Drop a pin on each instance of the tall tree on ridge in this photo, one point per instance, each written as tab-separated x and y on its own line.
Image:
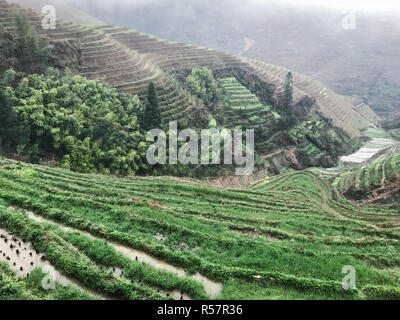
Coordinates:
152	113
288	94
286	103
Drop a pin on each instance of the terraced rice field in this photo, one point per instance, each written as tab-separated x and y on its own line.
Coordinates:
245	110
395	134
312	151
372	170
19	258
344	112
31	288
380	141
371	176
129	60
152	238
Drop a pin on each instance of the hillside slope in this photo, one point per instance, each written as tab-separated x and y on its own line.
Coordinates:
311	39
129	60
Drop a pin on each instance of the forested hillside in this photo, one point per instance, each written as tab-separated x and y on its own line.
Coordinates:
129	60
55	117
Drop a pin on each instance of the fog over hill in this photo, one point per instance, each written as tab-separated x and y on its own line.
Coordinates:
363	61
63	10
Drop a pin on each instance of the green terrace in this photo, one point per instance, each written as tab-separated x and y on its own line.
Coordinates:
341	109
286	237
370	176
244	107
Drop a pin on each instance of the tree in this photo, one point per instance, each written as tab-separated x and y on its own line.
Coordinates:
152	114
10	133
220	114
202	84
288	94
288	119
8	78
83	123
23	48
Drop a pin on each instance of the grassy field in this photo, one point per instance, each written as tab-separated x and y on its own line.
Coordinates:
287	237
30	288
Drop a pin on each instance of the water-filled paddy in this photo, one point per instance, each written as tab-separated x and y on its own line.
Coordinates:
380	141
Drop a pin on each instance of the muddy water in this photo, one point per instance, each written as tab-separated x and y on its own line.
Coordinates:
22	259
211	287
117	271
19	255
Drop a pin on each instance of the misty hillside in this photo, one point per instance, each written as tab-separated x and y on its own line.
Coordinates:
363	62
63	10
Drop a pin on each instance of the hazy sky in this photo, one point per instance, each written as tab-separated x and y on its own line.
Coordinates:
375	5
153	16
369	5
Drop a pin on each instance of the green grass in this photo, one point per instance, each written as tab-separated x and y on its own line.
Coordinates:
12	288
294	232
377	133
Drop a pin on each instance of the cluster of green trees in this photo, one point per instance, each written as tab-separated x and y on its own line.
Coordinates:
85	124
202	84
391	123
